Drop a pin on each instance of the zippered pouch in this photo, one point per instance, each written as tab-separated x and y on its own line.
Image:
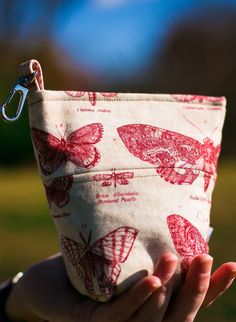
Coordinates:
127	178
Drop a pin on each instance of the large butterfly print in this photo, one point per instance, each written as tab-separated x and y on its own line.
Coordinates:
187	239
178	158
91	95
98	264
78	148
121	178
57	191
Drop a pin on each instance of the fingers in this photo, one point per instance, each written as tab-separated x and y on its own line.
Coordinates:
220	281
147	299
166	267
154	308
192	293
126	304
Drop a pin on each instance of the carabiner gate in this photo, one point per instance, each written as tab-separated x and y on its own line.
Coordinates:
22	88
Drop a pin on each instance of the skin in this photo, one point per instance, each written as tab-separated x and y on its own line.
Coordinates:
44	293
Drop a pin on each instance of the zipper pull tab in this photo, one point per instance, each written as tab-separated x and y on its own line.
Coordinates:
22	89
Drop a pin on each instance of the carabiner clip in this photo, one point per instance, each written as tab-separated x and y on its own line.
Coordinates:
22	88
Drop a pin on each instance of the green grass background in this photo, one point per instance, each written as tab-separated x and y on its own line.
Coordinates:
28	235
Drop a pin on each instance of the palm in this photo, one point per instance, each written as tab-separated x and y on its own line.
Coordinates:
45	293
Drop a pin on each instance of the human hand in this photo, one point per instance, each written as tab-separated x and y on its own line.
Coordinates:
200	290
44	293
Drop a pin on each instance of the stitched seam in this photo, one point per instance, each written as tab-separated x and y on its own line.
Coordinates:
91	173
164	100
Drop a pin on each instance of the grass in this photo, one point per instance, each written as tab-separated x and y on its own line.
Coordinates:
28	234
26	229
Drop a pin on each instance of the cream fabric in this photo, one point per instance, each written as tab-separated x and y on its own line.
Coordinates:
127	177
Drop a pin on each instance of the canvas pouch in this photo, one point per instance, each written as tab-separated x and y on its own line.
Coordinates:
127	178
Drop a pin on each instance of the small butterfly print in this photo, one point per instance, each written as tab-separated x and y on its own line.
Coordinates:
91	95
57	191
121	178
78	148
100	261
179	158
198	98
187	239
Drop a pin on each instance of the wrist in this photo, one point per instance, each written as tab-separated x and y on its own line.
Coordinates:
5	290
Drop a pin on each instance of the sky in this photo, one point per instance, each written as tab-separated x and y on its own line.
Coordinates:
117	37
114	38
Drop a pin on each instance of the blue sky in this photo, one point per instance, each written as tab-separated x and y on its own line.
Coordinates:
110	37
118	37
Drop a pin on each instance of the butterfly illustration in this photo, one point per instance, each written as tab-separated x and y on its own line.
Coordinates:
187	239
57	191
114	178
91	95
98	263
78	148
179	158
198	98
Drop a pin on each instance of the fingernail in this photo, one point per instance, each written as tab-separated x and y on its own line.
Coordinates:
157	283
205	267
171	266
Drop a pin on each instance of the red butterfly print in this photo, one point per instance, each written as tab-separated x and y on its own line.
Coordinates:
91	95
199	98
179	158
57	191
115	178
99	263
187	239
78	148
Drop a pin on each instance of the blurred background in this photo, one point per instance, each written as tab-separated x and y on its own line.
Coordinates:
162	46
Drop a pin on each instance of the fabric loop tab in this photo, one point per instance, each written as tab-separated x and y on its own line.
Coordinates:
28	68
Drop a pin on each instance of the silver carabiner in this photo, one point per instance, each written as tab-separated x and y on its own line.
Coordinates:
22	88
